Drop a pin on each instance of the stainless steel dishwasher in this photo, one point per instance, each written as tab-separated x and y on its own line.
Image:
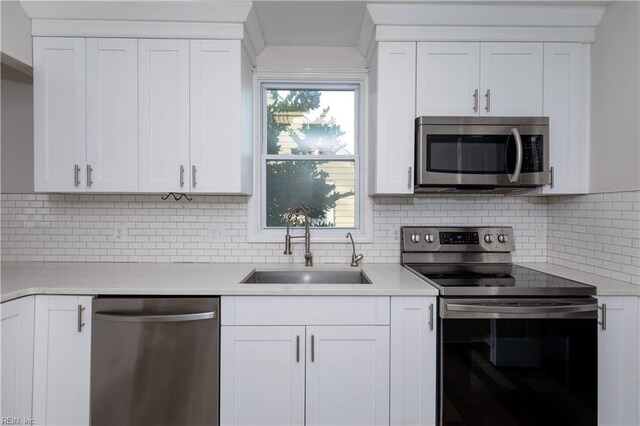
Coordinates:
155	361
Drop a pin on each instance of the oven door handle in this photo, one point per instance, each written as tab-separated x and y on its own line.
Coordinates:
557	309
513	178
489	308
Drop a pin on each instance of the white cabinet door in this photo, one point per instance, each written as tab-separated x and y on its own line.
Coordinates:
347	375
163	115
413	360
618	358
59	114
448	79
215	116
62	356
262	375
16	370
566	103
112	115
395	117
511	79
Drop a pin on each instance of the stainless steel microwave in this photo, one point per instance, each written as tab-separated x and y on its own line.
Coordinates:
478	154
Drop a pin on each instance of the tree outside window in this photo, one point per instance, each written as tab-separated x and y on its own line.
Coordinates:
310	154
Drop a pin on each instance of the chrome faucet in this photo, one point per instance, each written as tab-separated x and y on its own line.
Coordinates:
308	256
354	258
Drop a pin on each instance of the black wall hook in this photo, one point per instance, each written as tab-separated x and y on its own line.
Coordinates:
176	197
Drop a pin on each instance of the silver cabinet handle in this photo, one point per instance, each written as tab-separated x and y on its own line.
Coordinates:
76	176
135	317
297	348
431	316
89	175
181	176
313	349
193	176
409	178
80	323
475	100
603	323
488	96
516	172
551	176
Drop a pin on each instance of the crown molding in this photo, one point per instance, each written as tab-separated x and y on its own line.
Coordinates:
481	15
135	29
515	34
206	11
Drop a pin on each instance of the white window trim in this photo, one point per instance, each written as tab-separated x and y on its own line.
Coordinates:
362	234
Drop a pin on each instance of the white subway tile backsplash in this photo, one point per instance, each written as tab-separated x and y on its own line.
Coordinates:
598	233
82	228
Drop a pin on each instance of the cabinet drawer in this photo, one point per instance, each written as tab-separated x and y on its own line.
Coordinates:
304	310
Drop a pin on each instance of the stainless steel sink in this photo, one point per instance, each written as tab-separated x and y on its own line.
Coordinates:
306	277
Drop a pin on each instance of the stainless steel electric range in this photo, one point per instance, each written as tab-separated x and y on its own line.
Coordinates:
516	346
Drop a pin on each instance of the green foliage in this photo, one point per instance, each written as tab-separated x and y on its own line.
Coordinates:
292	183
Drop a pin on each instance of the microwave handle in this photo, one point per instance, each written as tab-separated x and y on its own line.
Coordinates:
513	178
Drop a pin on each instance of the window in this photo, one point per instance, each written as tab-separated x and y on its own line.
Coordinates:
310	153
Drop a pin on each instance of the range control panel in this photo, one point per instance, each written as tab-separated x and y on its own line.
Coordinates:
457	239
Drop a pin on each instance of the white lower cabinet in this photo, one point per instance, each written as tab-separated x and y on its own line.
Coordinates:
413	360
618	361
262	377
16	368
347	375
313	371
62	359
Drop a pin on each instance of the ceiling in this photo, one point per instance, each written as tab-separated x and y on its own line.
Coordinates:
310	23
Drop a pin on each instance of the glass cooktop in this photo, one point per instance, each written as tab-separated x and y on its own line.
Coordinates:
498	279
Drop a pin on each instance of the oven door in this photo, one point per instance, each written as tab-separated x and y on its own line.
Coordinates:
482	155
514	362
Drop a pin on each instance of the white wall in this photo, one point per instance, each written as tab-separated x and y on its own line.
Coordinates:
16	33
16	148
310	57
615	123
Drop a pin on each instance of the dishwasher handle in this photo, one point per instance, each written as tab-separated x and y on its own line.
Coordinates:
137	317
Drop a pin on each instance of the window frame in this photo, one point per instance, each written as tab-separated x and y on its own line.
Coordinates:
351	80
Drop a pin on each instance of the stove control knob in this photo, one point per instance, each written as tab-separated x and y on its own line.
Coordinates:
415	238
428	238
503	238
488	238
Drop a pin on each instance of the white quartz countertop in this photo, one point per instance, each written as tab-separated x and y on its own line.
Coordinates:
27	278
605	286
206	279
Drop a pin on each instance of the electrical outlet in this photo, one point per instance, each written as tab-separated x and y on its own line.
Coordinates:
119	233
396	235
215	232
540	233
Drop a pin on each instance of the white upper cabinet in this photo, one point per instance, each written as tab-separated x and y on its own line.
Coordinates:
347	375
566	103
62	359
393	100
112	115
448	77
220	78
511	79
59	114
467	79
163	115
